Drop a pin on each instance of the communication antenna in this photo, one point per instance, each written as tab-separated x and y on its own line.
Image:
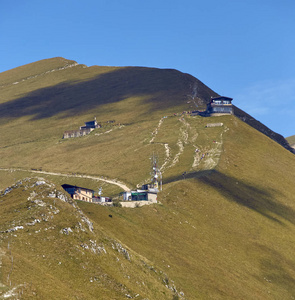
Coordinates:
100	191
156	173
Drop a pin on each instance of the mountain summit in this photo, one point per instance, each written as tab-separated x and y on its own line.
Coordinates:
58	86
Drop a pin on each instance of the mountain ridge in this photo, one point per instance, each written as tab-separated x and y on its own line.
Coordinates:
195	90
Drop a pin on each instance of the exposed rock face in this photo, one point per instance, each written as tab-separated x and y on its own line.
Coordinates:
38	203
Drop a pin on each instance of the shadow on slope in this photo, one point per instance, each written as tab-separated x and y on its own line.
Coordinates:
277	269
257	198
164	87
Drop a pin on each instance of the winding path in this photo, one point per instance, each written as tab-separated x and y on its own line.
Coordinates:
120	184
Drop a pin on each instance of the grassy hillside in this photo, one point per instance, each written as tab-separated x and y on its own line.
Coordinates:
49	247
221	234
224	225
32	120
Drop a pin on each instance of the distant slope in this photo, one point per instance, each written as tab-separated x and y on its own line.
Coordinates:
291	140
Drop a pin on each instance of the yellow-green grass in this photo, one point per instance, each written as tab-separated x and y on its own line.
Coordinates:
223	234
32	123
39	260
215	229
224	230
124	153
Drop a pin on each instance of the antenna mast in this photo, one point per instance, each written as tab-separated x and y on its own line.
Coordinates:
156	174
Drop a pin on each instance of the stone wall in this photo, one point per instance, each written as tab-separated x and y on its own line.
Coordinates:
133	204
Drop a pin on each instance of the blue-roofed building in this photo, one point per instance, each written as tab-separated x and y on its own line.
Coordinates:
84	130
90	125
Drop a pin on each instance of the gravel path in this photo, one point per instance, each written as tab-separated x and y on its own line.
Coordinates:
111	181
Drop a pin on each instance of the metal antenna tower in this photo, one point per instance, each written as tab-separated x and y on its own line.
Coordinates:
156	173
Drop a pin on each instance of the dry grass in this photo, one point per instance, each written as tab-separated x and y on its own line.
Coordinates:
225	230
214	232
61	263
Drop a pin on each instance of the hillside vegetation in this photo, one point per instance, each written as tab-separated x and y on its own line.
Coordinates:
224	227
52	248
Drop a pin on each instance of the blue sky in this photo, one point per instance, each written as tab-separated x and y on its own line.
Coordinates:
241	49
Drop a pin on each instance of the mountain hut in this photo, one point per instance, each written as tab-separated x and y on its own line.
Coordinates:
91	124
220	105
79	193
217	106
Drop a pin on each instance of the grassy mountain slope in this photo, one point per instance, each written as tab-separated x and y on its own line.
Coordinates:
224	230
262	128
225	233
67	98
58	88
49	247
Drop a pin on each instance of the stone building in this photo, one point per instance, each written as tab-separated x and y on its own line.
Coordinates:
84	130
